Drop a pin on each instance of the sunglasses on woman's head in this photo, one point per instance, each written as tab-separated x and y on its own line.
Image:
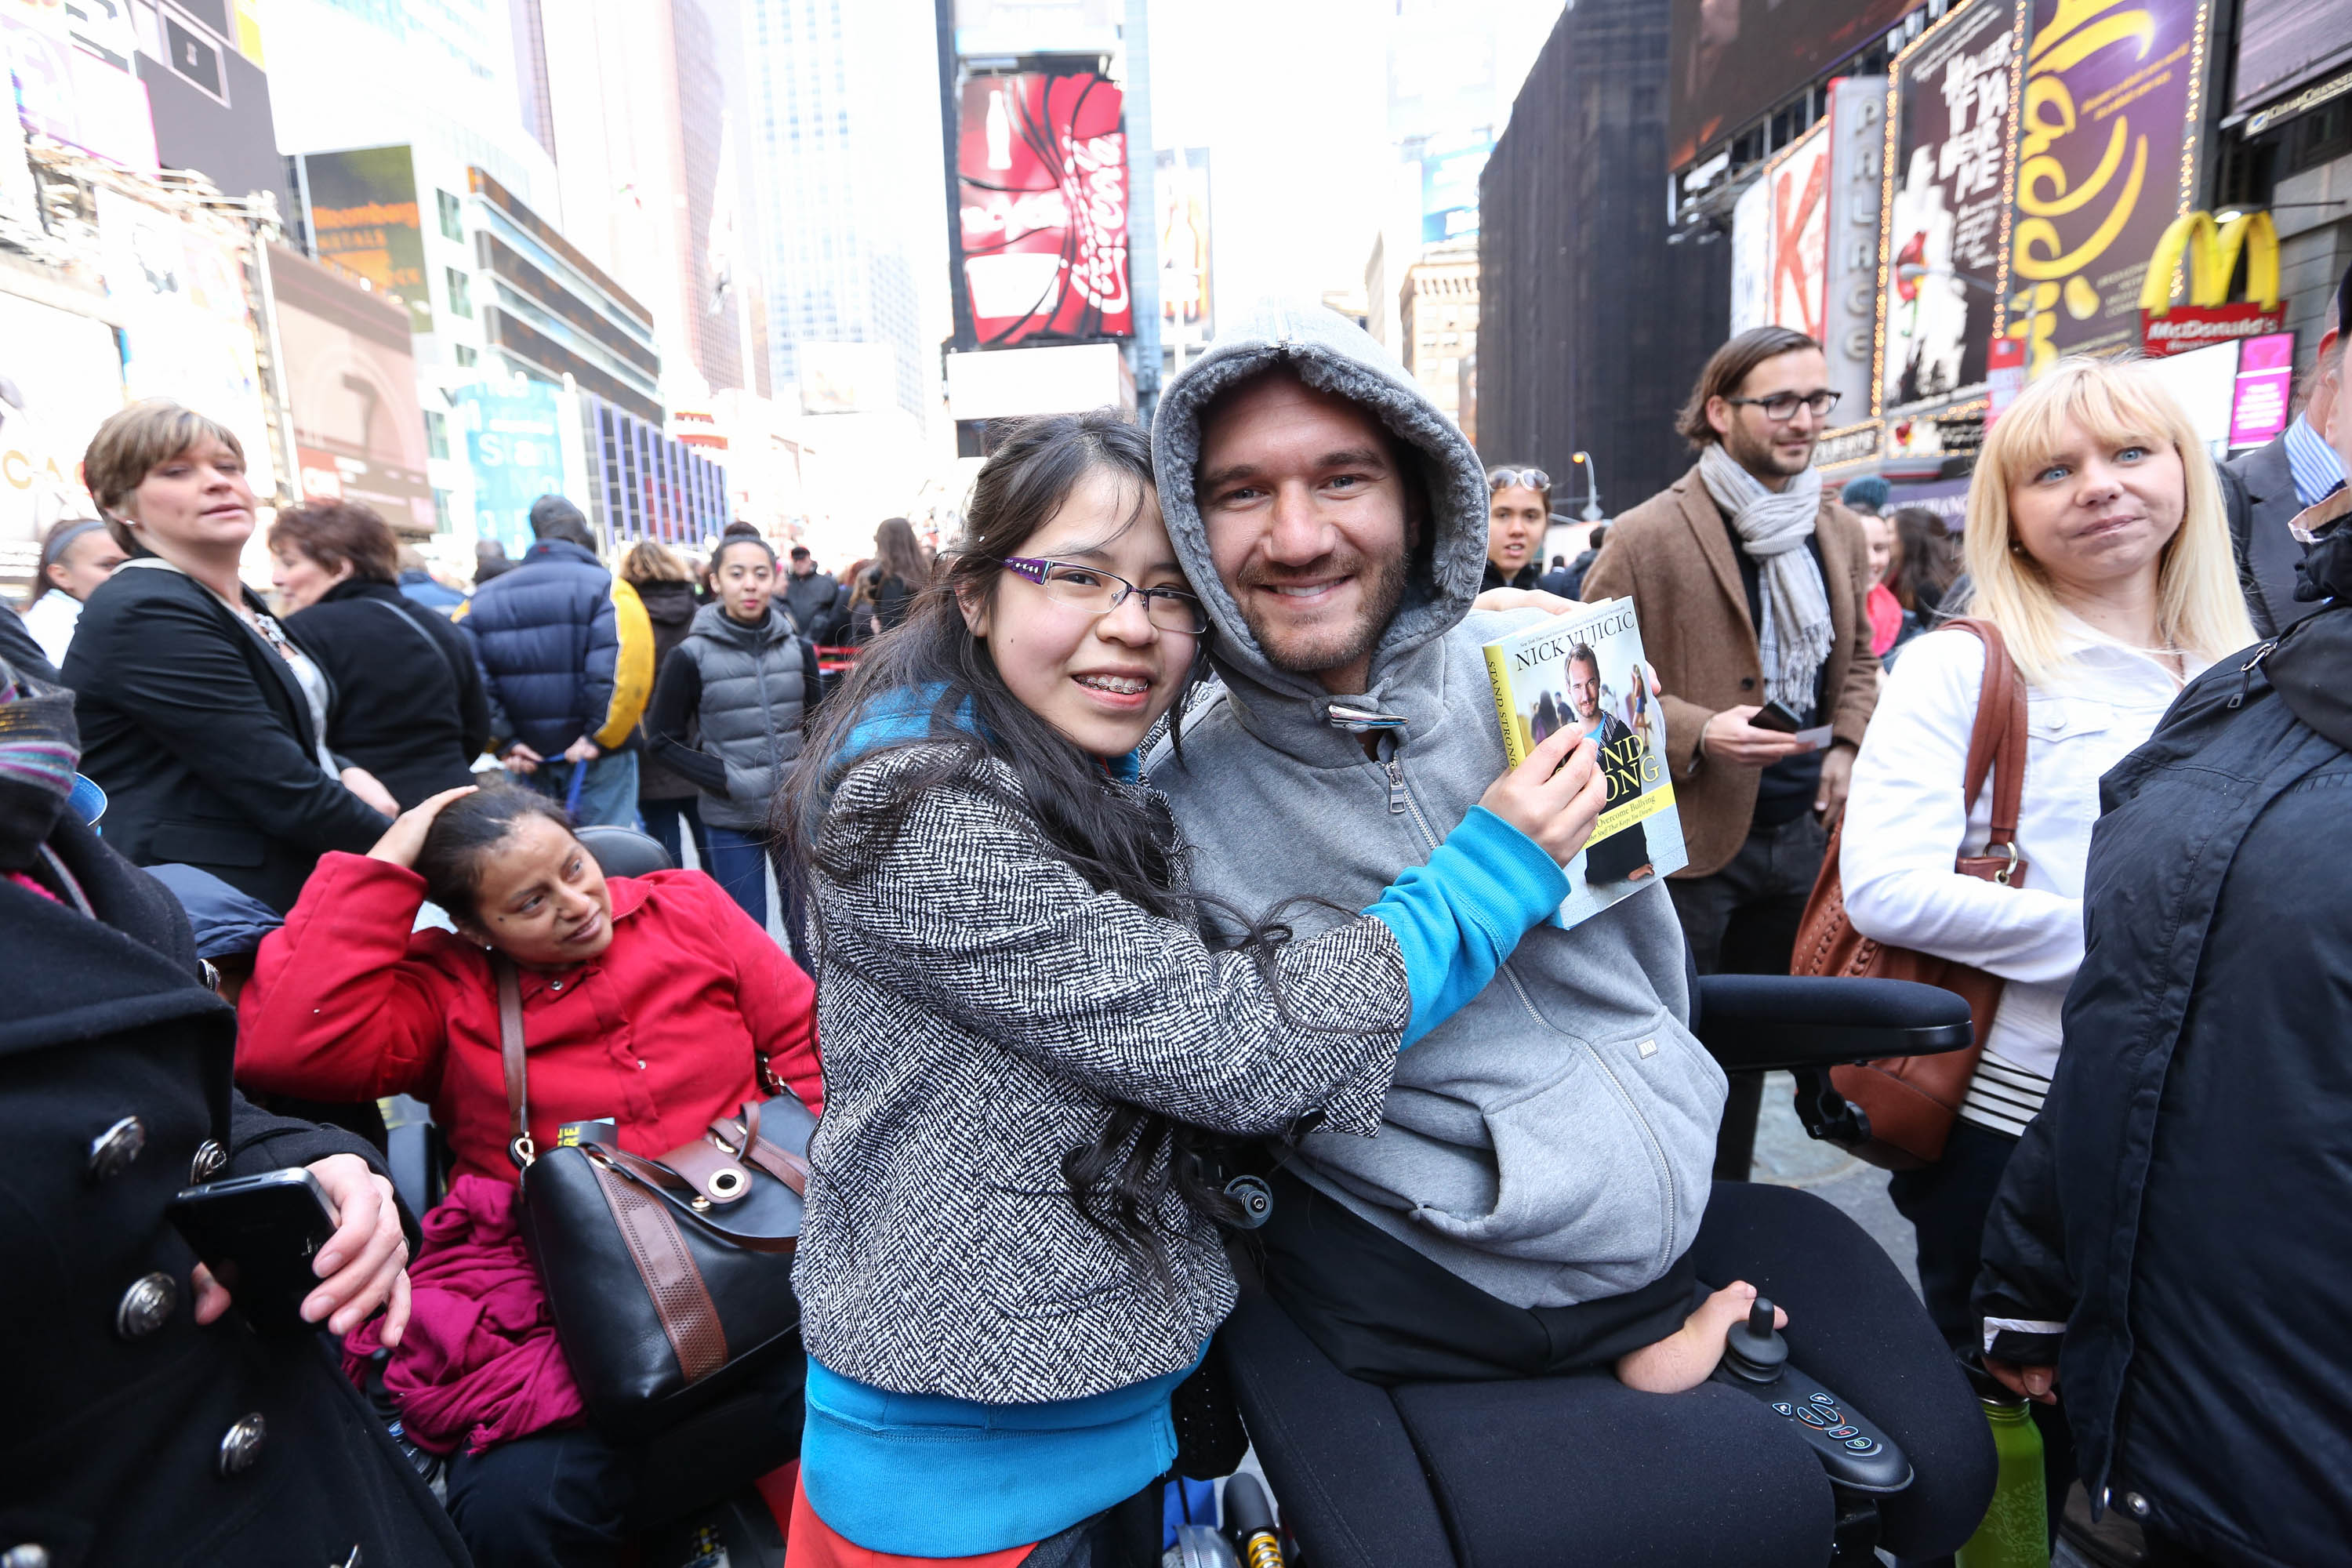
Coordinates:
1517	479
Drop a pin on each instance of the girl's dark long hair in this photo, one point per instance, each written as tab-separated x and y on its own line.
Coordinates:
1108	836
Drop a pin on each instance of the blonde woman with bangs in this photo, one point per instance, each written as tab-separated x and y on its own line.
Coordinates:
2098	544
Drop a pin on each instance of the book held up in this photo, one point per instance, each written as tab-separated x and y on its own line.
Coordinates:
1584	670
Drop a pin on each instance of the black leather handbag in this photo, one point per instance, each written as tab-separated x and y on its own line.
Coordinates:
669	1279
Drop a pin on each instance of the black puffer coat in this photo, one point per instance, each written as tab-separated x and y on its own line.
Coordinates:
113	1447
2183	1203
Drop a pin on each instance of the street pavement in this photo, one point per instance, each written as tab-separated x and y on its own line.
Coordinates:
1787	1158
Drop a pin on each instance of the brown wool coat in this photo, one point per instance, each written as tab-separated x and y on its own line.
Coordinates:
1673	556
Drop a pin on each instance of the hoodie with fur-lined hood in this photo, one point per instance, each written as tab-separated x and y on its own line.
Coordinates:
1552	1142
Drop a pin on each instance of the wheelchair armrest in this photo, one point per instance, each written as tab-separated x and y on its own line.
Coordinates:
1763	1023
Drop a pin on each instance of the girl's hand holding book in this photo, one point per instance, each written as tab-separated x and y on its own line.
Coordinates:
1554	797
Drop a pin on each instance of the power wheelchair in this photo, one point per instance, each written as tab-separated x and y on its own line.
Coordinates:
1583	1470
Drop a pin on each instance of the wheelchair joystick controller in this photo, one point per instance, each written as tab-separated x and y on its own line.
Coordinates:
1754	1349
1854	1452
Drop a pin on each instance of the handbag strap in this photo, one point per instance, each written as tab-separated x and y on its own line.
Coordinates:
1997	740
520	1148
449	662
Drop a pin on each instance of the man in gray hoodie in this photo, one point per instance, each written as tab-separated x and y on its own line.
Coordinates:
1549	1146
1532	1205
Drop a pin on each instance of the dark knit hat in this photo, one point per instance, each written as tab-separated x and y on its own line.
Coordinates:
1867	493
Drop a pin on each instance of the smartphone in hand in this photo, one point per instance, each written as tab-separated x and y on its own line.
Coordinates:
261	1237
1776	716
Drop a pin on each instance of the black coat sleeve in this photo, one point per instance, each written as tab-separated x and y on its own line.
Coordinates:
677	695
261	1142
2024	1279
23	654
173	666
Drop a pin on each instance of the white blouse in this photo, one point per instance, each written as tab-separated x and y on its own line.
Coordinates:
1905	824
51	619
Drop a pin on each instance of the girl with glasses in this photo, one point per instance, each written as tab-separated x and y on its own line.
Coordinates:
1013	1254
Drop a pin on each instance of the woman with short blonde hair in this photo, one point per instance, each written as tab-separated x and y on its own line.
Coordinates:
2097	545
2199	607
204	720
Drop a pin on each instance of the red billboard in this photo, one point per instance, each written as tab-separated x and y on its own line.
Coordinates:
1041	176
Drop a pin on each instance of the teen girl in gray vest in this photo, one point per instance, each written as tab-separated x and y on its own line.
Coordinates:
749	682
1011	1257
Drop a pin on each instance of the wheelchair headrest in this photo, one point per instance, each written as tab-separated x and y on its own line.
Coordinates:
625	851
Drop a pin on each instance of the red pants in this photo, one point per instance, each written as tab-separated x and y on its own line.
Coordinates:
811	1543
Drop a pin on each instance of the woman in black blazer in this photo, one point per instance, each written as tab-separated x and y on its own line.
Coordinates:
201	718
409	706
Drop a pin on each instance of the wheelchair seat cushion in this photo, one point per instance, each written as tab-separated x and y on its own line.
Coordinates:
1584	1469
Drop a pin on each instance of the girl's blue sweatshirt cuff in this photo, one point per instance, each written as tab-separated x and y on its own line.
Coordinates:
1457	918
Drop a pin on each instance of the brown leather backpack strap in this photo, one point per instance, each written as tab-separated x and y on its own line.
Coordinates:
520	1148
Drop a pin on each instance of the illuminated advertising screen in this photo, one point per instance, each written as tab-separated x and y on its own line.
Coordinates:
2105	155
514	445
363	219
1948	151
2260	402
1731	61
179	285
1450	167
1780	240
60	376
1185	299
350	383
2283	44
1041	176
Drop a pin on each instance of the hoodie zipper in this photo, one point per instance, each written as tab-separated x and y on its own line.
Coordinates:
1401	800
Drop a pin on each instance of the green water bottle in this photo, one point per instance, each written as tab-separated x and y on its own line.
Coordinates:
2016	1528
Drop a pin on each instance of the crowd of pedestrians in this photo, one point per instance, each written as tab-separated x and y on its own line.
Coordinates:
1148	873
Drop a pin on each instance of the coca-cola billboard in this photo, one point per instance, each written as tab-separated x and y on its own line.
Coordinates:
1041	174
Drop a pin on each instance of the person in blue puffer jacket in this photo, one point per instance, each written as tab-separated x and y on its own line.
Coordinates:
567	657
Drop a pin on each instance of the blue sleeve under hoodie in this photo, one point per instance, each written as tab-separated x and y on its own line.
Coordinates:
1457	918
996	1476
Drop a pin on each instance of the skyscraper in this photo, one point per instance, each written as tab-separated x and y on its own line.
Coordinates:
844	98
649	108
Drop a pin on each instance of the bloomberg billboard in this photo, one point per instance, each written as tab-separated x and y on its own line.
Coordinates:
1042	193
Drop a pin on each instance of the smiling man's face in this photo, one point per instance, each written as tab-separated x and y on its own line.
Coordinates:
1310	522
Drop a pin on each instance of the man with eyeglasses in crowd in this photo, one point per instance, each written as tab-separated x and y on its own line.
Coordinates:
1750	582
1518	509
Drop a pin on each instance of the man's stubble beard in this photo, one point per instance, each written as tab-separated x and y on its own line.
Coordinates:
1382	594
1761	457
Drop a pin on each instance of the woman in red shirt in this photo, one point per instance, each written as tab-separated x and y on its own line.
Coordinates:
650	1000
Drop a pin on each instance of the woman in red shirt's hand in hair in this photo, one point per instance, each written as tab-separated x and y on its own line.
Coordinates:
650	1000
